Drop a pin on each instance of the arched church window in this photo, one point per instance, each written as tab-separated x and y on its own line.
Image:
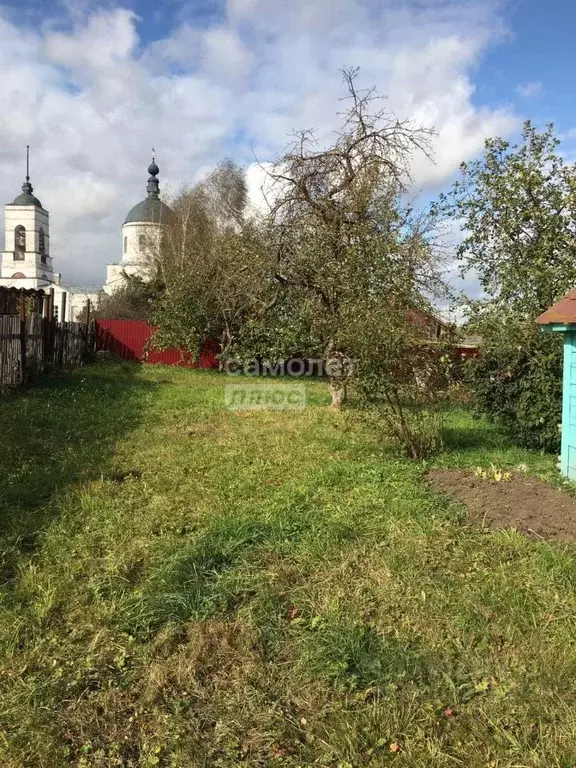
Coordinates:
42	241
141	242
125	244
18	275
19	243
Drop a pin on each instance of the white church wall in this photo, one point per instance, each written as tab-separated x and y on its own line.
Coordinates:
59	301
76	304
114	278
34	269
31	218
29	267
139	240
23	282
115	275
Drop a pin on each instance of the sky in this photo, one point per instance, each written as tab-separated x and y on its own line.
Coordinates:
92	87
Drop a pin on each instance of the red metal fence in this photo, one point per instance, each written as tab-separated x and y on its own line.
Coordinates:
129	339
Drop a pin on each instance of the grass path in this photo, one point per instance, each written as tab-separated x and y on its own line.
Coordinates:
186	586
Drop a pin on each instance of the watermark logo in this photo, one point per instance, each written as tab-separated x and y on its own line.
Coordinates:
334	367
270	397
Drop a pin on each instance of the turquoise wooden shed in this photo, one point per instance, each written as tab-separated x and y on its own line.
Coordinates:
561	318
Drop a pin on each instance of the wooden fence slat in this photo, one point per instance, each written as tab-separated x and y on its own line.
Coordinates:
10	341
30	343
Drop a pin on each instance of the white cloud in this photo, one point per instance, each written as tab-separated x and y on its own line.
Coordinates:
92	98
226	59
529	90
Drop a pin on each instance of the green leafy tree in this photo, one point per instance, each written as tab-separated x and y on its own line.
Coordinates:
517	208
345	244
134	299
518	378
212	264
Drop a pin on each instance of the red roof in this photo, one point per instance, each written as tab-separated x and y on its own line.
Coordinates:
563	312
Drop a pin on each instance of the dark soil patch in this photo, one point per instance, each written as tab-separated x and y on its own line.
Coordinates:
523	503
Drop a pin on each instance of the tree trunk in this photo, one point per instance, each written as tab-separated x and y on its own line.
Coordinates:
225	344
336	370
338	392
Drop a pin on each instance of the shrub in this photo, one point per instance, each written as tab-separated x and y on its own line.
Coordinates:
517	381
402	381
410	419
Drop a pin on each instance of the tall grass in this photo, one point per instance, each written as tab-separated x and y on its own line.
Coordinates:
190	586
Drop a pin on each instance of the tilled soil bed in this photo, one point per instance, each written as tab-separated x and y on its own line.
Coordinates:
524	503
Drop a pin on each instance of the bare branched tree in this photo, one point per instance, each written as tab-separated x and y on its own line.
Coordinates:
341	226
370	159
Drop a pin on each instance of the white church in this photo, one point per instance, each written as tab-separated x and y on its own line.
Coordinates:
27	261
140	234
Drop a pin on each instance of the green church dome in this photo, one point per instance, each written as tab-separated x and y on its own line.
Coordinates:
27	198
151	210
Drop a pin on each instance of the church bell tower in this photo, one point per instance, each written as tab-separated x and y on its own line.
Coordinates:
26	260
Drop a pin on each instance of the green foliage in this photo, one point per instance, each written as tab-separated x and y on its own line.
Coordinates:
517	380
132	300
408	414
517	207
187	584
212	264
350	652
345	244
179	315
402	375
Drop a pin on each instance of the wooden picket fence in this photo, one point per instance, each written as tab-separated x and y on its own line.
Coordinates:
32	344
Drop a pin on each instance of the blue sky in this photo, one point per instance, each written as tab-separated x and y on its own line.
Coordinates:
537	47
92	87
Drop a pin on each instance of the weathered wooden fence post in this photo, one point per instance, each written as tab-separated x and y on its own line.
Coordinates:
22	313
51	303
52	326
31	339
87	331
62	333
45	331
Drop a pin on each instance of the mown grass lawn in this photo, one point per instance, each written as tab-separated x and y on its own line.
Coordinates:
183	585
